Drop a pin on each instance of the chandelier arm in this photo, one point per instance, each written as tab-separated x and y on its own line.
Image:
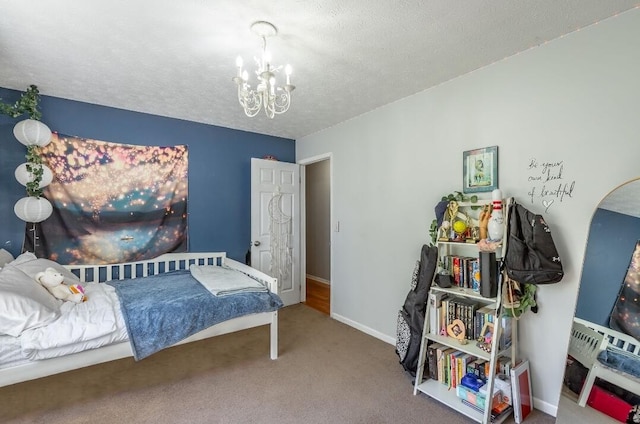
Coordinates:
281	102
250	101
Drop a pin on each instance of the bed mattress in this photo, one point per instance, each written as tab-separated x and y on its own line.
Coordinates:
11	352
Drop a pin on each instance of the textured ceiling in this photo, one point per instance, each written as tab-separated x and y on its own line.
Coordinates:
176	58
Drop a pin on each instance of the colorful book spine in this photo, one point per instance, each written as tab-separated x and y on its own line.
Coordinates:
456	270
440	359
475	274
446	367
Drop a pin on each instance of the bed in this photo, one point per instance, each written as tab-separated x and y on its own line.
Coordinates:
137	278
607	354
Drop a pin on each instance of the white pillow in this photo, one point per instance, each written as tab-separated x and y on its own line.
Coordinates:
5	257
31	265
24	303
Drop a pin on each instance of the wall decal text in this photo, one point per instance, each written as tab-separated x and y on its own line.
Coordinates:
548	183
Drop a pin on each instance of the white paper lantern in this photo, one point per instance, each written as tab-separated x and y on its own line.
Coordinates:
32	133
23	176
33	209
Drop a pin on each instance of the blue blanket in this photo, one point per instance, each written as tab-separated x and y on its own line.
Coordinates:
164	309
620	360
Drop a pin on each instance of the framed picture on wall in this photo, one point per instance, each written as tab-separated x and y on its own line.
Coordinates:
480	170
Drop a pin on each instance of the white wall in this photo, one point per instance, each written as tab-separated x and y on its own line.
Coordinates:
574	100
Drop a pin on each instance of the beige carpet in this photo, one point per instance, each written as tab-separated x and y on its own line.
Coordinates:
327	372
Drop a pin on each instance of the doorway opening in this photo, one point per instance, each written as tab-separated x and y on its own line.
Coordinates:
316	240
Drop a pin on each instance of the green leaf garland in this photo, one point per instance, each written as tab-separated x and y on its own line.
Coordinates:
28	103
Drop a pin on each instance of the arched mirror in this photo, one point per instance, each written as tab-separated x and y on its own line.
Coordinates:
608	303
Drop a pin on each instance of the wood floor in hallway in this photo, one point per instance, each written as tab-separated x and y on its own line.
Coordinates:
318	295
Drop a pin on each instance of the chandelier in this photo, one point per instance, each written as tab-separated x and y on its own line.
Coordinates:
267	94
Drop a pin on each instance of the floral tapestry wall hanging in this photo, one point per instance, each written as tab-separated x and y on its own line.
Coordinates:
113	202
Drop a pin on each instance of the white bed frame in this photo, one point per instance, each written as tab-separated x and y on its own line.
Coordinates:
159	265
587	340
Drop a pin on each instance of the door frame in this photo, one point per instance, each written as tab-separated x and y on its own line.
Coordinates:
303	223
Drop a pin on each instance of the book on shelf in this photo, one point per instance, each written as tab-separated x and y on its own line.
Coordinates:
451	310
435	303
455	260
444	312
471	405
481	365
439	360
500	407
432	358
471	366
455	365
483	315
452	369
446	367
474	274
462	365
463	309
442	323
497	413
464	270
467	311
500	411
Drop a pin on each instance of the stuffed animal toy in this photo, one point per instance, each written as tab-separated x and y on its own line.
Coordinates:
53	281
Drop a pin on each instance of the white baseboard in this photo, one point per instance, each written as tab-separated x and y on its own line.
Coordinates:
364	329
545	407
318	279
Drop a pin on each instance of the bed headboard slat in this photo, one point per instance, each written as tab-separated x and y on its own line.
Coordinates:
161	264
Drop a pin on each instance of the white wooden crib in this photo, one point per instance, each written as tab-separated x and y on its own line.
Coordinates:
589	339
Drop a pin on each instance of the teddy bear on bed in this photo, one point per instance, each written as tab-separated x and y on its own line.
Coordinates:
53	281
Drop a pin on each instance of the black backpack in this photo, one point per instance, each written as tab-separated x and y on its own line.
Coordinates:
531	255
411	316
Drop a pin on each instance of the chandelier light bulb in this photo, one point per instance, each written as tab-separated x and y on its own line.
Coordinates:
239	66
287	71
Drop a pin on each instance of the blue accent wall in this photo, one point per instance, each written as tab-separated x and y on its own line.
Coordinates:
219	166
612	240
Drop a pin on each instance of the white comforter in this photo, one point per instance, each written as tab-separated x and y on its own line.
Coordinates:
88	325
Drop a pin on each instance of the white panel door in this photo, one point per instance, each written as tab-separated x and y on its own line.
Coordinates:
275	224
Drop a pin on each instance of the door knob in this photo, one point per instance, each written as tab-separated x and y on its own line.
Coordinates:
256	243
